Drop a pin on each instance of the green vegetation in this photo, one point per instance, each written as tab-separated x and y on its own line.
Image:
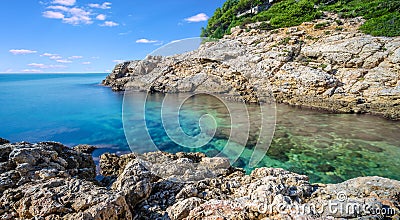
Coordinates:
339	28
285	41
386	25
288	13
282	14
323	66
383	16
321	25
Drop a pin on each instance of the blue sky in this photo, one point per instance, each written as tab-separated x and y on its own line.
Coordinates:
74	36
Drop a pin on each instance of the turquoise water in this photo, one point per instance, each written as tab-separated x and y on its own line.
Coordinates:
74	109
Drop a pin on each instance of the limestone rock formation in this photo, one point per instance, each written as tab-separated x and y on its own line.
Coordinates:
50	181
331	66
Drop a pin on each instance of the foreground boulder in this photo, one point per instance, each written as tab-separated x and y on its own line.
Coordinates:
24	162
326	64
160	185
68	198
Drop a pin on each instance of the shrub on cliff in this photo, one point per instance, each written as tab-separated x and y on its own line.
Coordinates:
386	25
382	15
281	14
289	13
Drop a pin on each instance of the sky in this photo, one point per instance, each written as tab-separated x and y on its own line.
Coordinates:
91	36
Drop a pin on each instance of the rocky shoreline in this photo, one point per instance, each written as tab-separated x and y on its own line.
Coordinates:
51	181
326	64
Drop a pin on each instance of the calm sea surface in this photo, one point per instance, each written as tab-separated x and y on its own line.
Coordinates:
75	109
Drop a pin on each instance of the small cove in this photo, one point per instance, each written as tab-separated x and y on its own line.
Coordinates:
75	109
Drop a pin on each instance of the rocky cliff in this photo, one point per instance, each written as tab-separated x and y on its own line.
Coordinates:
326	64
51	181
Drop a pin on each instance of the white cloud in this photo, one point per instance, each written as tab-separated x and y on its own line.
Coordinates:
55	57
118	61
58	7
105	5
197	18
48	55
146	41
64	2
22	51
86	63
44	66
101	17
37	65
64	61
32	71
109	24
78	16
72	16
75	57
53	15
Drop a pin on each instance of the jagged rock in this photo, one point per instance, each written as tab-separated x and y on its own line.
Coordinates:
266	192
181	209
4	141
313	69
63	198
113	165
24	162
84	148
43	184
134	183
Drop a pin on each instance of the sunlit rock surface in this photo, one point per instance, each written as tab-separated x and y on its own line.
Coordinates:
50	181
333	67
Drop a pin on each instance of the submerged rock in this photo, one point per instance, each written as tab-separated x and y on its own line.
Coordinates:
51	181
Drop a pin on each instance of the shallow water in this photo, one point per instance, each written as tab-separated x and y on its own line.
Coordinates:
74	108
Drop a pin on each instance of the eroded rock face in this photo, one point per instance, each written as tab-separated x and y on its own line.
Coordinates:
265	193
51	181
24	162
137	192
335	68
65	198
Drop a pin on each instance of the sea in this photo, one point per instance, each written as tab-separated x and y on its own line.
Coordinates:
76	109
